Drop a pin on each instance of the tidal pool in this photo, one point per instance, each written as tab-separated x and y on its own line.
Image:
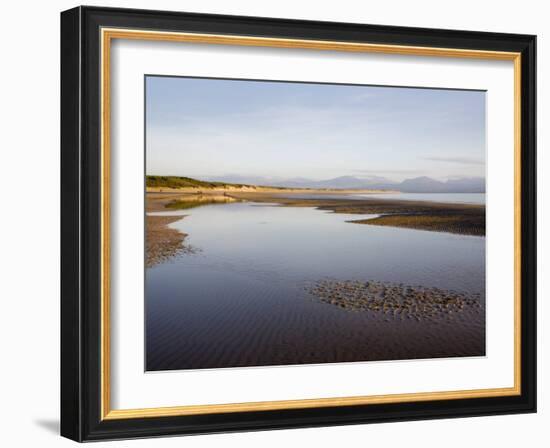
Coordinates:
243	296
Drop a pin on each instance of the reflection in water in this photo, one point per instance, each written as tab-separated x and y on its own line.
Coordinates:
197	200
243	300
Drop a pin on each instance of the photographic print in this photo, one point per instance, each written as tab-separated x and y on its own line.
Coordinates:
306	223
271	223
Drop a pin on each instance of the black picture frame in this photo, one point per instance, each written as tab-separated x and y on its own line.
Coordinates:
81	224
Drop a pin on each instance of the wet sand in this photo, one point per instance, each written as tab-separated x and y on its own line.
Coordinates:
162	242
289	327
395	301
218	317
462	223
464	219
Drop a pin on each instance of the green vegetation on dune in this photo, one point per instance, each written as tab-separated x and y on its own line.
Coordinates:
184	182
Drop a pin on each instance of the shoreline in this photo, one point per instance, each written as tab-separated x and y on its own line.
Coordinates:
359	313
456	218
261	189
163	242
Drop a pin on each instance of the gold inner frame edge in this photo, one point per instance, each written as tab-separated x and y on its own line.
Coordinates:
107	34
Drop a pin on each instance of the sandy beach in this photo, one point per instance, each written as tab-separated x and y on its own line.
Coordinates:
465	219
164	242
276	285
161	241
372	310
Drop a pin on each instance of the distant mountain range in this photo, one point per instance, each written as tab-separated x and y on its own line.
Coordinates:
414	185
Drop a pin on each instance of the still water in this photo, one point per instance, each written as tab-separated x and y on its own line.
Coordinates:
240	298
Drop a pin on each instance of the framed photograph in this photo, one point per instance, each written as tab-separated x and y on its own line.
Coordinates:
273	223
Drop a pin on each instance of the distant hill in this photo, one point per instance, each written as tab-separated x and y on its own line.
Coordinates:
429	185
467	185
338	182
422	184
414	185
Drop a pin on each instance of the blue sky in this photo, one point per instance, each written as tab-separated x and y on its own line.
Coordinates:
208	128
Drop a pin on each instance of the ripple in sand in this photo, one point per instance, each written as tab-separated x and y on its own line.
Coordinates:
395	301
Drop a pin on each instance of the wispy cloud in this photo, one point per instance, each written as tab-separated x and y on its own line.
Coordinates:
459	160
211	127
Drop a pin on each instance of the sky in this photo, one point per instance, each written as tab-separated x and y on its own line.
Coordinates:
213	128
